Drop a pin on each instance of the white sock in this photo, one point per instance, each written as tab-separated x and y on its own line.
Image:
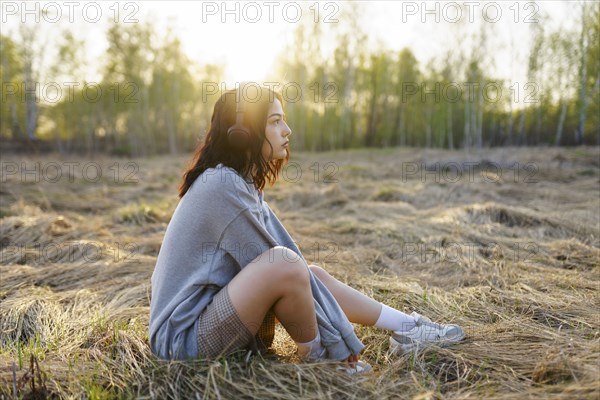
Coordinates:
310	348
394	320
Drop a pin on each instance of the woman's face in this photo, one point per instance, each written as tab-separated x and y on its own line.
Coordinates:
276	132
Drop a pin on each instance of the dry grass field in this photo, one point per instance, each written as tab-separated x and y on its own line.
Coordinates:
505	242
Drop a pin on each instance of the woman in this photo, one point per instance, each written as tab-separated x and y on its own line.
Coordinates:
228	269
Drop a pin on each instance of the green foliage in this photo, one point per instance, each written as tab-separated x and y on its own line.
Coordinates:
153	100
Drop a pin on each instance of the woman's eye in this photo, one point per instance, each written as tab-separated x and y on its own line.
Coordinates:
276	121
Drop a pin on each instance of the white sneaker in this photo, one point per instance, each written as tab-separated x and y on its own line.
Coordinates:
360	368
423	334
321	355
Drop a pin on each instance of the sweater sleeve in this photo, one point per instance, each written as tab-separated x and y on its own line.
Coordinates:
245	238
337	333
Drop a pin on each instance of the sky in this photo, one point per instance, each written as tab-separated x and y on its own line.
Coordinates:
249	46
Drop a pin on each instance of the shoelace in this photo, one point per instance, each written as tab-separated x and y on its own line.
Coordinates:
427	322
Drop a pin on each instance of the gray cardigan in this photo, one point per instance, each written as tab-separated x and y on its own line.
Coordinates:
219	226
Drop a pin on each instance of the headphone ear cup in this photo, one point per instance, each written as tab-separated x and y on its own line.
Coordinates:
238	136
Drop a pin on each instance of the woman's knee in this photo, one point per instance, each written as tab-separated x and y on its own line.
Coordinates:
289	264
283	264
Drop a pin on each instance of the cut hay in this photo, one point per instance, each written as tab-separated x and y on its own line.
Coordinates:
515	263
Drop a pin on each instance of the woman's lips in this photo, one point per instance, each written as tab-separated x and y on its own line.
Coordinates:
286	144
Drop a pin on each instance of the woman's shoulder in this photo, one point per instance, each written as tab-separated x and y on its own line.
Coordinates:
221	182
222	176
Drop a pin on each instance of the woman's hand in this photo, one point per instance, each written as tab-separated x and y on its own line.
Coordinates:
353	359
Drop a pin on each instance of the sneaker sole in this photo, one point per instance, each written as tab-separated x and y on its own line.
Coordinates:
361	368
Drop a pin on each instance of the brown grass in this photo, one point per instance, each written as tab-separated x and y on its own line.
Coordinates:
515	262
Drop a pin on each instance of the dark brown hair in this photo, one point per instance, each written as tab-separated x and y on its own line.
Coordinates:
215	148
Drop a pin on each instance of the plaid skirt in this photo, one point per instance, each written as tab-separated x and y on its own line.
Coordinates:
222	332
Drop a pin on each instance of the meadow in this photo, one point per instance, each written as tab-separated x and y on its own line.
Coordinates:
503	241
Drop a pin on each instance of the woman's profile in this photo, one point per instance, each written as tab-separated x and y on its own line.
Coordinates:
228	270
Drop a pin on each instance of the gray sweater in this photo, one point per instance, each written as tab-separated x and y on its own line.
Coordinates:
219	226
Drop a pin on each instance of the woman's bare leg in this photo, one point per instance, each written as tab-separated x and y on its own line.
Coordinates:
280	279
358	307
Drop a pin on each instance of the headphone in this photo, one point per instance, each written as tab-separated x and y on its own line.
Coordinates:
238	135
